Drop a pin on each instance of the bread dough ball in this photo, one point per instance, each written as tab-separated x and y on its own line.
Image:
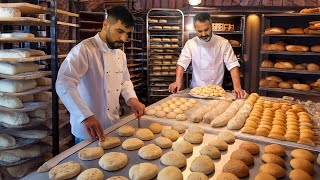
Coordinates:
299	174
170	173
167	109
145	134
174	99
189	104
218	143
275	149
173	106
92	173
169	102
150	151
132	144
197	176
183	146
117	178
90	153
113	161
158	108
243	155
227	176
227	136
181	117
253	148
193	101
109	142
174	158
179	127
160	114
184	107
183	100
171	115
145	171
178	102
125	131
163	142
150	112
172	134
196	129
210	151
156	128
236	167
202	164
163	105
178	111
302	153
193	137
65	170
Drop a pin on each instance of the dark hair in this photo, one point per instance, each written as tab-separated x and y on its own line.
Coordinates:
120	13
202	17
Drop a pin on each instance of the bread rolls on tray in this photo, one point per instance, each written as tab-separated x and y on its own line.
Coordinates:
297	48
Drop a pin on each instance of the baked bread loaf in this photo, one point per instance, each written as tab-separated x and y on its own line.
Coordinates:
309	10
295	31
284	65
300	67
268	83
267	64
297	48
276	79
313	67
311	31
285	85
234	42
275	30
293	81
273	47
301	87
315	48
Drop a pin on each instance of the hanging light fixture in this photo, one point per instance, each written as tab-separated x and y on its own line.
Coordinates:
194	2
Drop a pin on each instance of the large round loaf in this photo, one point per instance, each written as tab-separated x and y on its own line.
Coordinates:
315	48
301	87
273	47
295	31
297	48
313	67
285	85
267	64
284	65
275	30
268	83
276	79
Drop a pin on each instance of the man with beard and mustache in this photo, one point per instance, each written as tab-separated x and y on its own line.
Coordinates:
208	53
93	76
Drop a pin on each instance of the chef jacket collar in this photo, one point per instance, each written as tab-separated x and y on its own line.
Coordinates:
101	45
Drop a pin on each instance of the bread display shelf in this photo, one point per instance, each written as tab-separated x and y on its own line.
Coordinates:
290	35
34	122
137	85
136	80
152	48
31	91
134	48
162	64
27	107
135	75
134	64
164	53
164	17
24	21
136	40
166	24
30	59
26	76
90	22
290	71
21	142
291	91
291	53
173	75
222	32
165	42
163	85
67	24
290	14
137	32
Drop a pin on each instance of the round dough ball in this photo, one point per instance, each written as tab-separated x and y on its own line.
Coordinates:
90	153
173	106
144	134
227	136
193	137
242	155
117	178
202	164
163	142
158	108
275	149
274	159
132	144
160	114
170	173
125	131
179	127
174	99
210	151
253	148
155	128
169	102
183	100
273	169
113	161
189	104
150	151
236	167
264	176
150	112
197	176
183	107
174	158
181	117
109	142
196	129
163	105
143	171
183	147
299	174
171	115
178	111
178	102
193	101
227	176
218	143
299	163
302	153
91	173
167	109
172	134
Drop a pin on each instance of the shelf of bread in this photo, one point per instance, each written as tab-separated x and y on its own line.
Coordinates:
26	122
26	107
24	21
134	48
295	71
291	91
26	75
34	90
134	64
290	35
291	53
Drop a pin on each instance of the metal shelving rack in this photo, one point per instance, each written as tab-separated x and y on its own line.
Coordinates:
161	55
289	20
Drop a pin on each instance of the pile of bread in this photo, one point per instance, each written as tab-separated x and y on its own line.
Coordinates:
283	64
316	85
310	10
314	28
278	82
208	91
280	120
165	27
282	46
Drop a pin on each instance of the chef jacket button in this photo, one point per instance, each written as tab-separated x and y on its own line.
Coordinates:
108	91
117	89
108	109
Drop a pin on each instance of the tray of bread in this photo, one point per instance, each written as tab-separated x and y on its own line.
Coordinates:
208	92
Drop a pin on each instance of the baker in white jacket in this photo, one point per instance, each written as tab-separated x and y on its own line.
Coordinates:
93	76
209	53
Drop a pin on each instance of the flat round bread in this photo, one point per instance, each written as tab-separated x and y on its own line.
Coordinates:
143	171
202	164
90	153
183	146
174	158
163	142
170	173
113	161
144	134
125	131
150	151
197	176
109	142
132	144
65	170
92	174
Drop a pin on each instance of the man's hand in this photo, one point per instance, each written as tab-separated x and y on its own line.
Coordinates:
175	87
240	93
93	128
137	107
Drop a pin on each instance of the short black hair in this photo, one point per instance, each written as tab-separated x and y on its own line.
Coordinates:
202	17
121	13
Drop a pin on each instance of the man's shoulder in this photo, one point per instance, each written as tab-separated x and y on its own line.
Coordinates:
220	38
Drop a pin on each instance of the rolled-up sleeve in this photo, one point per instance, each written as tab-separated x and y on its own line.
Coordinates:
127	89
72	69
185	56
229	58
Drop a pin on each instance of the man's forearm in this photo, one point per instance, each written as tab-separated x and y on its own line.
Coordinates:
235	75
179	73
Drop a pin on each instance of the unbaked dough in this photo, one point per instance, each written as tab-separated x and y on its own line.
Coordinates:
197	176
158	108
160	114
156	128
7	140
9	12
202	164
65	171
150	112
171	115
184	107
14	118
170	173
196	129
183	146
163	142
218	143
143	171
10	102
193	137
174	158
178	111
167	109
144	134
113	161
132	144
227	136
91	174
189	104
20	53
181	117
172	134
90	153
13	68
150	151
109	142
125	131
29	134
179	127
15	86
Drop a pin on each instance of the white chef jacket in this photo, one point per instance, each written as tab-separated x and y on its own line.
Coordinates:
90	81
208	59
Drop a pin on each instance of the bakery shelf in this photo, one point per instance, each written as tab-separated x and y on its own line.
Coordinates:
291	53
164	24
135	40
89	30
29	59
134	64
24	21
27	75
67	41
162	64
136	80
290	35
291	91
68	24
90	22
34	122
176	42
290	71
151	48
222	32
27	107
135	75
134	48
21	142
164	85
164	75
290	14
164	53
31	91
137	32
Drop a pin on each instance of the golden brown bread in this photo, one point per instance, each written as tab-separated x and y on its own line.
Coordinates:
268	83
313	67
293	81
273	47
299	163
301	87
315	48
285	85
264	176
234	42
236	167
309	10
311	31
297	48
275	149
272	158
267	64
276	79
302	153
298	174
300	67
273	169
275	30
284	65
242	155
253	148
295	31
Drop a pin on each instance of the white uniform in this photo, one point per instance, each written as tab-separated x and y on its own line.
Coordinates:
208	60
90	81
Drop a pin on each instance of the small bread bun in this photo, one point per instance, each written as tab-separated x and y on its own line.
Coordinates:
315	48
276	79
285	85
273	47
297	48
311	31
267	64
295	31
275	30
268	83
301	87
299	67
313	67
284	65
